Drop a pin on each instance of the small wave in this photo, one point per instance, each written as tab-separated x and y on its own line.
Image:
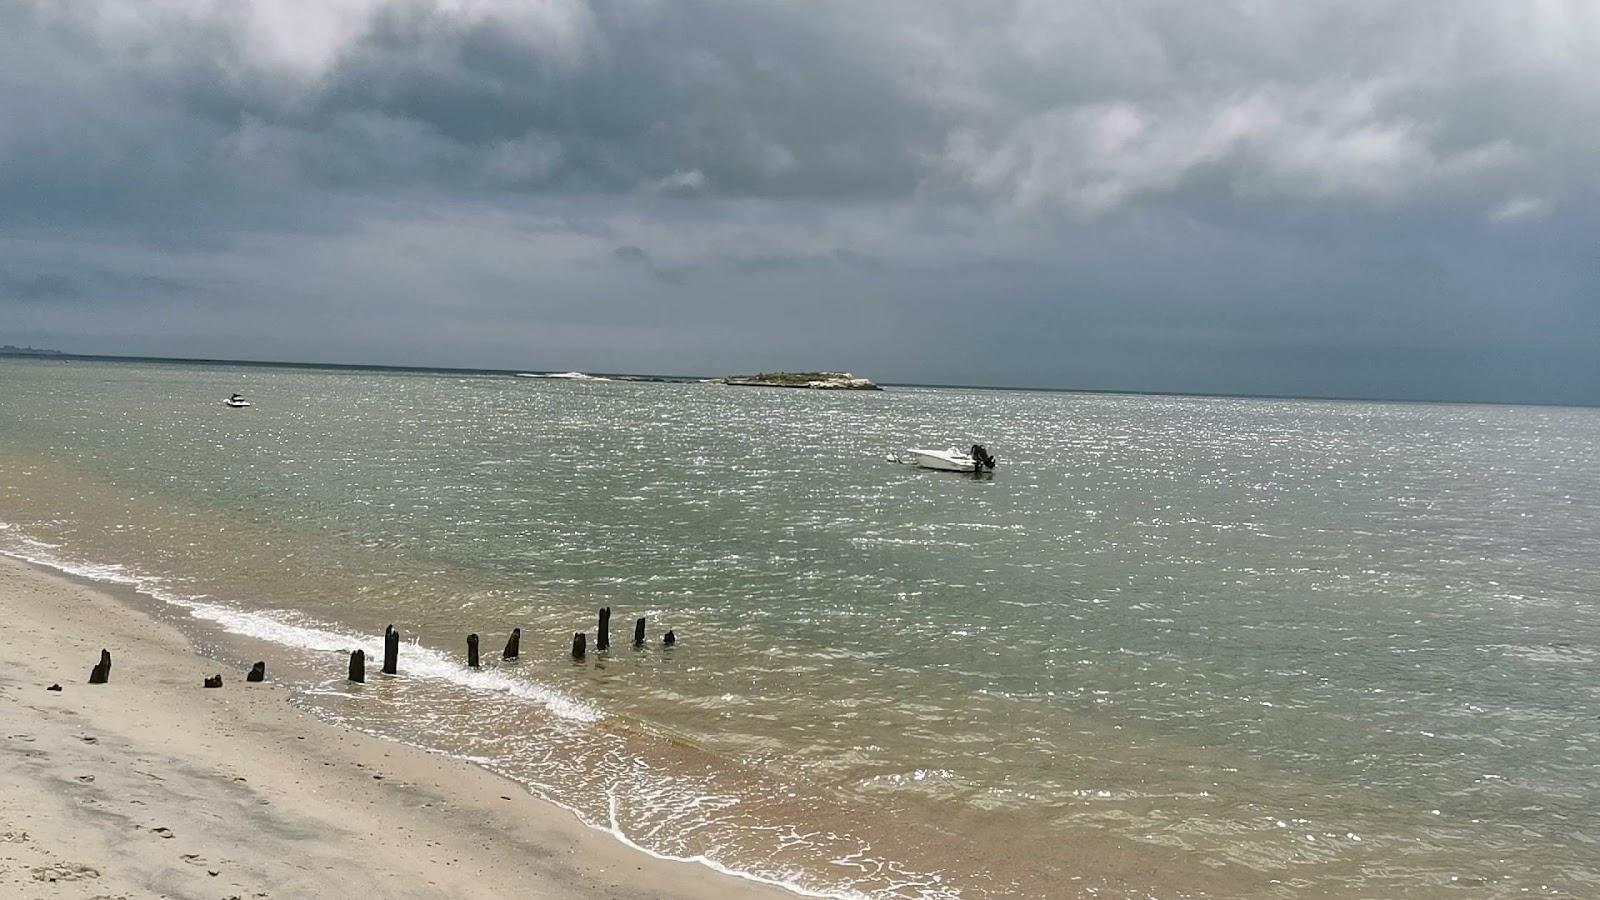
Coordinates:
615	830
108	573
908	779
423	662
564	376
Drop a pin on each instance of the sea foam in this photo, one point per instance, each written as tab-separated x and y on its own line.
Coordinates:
279	628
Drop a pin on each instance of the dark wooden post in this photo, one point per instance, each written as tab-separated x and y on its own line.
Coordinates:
101	673
668	639
472	651
602	634
513	643
578	641
391	651
258	672
358	666
638	632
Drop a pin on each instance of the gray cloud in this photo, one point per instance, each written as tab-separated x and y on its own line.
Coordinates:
1381	199
1089	106
38	286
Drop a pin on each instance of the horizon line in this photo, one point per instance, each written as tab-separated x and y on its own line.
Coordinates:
45	354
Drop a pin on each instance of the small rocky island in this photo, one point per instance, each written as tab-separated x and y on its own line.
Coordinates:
825	381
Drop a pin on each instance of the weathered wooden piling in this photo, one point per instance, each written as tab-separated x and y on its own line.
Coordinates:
513	644
214	681
668	639
602	634
579	640
391	651
638	632
258	672
472	651
101	673
358	666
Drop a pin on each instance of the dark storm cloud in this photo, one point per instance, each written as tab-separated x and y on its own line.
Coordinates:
682	99
1388	198
1087	106
733	97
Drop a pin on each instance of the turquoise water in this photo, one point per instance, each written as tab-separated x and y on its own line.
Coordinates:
1174	647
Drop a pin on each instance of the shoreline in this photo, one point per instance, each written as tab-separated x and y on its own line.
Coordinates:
308	658
152	785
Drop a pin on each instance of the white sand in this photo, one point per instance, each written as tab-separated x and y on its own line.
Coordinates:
152	786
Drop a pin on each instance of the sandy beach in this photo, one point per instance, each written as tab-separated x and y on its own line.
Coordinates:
152	786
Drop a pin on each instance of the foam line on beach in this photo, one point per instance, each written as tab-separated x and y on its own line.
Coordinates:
421	662
612	828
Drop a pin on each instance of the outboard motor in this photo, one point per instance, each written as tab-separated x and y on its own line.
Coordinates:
982	458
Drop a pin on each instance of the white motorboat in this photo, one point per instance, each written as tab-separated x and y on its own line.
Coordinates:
951	460
236	401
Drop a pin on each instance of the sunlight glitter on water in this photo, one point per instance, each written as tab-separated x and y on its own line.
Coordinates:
1166	623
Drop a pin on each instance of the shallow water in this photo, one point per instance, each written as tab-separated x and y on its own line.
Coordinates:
1175	646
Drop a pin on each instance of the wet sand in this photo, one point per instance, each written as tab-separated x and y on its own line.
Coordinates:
152	786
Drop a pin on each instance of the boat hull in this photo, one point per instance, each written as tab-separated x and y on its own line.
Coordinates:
940	460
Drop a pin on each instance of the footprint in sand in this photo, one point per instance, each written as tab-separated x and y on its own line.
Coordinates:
64	872
164	831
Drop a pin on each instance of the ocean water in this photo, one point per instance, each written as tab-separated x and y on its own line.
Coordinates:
1174	647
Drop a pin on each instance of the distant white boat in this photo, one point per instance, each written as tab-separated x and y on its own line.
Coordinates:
564	376
236	401
951	460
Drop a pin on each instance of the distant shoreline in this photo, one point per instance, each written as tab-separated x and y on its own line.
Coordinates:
697	379
11	350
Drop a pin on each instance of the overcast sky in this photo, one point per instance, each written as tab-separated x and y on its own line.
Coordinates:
1353	198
